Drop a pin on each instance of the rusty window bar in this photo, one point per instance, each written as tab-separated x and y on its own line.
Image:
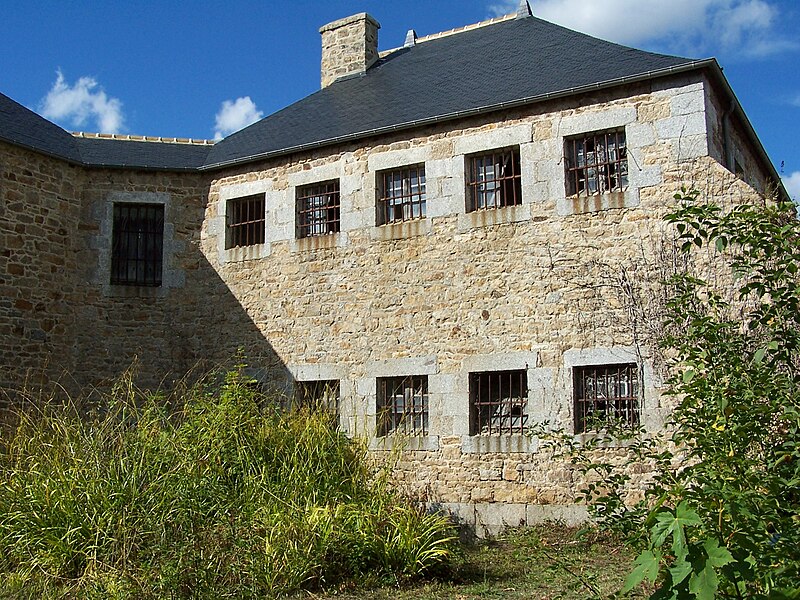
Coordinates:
596	163
402	405
245	222
402	195
497	402
318	209
494	180
137	244
606	394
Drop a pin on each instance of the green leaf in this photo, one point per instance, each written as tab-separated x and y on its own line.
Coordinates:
758	357
680	571
646	568
668	524
718	556
688	375
704	583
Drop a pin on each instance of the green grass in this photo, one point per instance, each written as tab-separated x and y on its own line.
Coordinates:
544	562
221	496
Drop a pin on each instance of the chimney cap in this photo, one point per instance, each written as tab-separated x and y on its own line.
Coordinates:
348	21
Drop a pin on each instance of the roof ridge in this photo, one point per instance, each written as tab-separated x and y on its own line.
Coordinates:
142	138
454	31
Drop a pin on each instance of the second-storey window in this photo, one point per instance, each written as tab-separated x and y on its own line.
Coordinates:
402	405
401	194
137	244
318	209
604	395
493	179
245	221
497	402
596	163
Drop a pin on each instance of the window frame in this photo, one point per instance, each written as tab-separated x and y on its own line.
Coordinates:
628	405
390	420
411	199
486	398
476	169
313	199
148	269
253	223
610	174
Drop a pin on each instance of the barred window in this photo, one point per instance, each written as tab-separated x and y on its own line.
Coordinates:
596	163
245	221
318	209
497	402
317	395
494	179
402	405
137	244
401	195
606	394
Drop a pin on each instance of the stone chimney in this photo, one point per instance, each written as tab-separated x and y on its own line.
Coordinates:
349	46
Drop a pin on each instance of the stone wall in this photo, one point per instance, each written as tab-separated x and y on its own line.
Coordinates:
538	287
349	46
39	238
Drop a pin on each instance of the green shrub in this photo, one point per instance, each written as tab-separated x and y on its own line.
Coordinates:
224	497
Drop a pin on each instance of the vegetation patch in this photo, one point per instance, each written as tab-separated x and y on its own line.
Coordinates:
220	497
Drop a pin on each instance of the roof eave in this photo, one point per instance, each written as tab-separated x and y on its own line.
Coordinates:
573	91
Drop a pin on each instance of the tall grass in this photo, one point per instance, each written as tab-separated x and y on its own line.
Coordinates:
222	497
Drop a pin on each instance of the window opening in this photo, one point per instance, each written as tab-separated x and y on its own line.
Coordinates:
596	163
494	180
137	244
245	222
497	402
317	395
402	404
318	209
401	195
604	395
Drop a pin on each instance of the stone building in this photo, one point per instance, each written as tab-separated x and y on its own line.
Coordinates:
438	238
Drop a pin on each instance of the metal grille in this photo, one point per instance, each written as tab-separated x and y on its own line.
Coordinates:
596	163
137	244
245	220
606	394
402	195
497	402
403	405
319	395
318	209
493	180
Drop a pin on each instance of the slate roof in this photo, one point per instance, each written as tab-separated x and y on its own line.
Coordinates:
506	63
23	127
142	155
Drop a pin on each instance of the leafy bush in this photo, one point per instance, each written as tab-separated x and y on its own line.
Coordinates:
721	517
223	497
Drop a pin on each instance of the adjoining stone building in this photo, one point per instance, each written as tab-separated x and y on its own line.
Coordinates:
436	235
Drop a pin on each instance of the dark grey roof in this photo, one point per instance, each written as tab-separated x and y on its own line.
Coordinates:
23	127
98	152
509	62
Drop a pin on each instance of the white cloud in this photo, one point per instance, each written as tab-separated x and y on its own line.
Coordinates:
795	101
84	102
792	183
505	7
687	26
234	115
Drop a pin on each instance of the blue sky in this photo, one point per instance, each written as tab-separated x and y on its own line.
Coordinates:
200	69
